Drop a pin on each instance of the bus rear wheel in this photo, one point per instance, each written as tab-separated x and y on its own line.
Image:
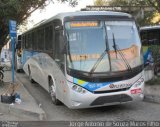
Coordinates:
52	91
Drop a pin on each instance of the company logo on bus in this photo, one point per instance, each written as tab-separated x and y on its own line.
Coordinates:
111	85
119	86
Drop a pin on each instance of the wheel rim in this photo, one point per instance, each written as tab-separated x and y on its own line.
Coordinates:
52	91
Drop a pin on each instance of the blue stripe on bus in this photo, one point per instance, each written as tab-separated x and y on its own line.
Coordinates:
89	85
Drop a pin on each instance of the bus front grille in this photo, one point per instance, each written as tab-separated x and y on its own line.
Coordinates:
111	99
111	91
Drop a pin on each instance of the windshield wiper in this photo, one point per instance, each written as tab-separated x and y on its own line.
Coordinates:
101	56
98	61
117	50
114	45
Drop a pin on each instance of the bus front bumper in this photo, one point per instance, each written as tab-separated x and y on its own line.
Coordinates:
89	99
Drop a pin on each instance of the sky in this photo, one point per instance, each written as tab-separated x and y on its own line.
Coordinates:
53	9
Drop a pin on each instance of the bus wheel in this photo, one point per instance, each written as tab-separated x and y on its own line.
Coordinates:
52	91
30	76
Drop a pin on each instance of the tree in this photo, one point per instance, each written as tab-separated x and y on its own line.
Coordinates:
152	3
100	2
148	16
20	10
155	4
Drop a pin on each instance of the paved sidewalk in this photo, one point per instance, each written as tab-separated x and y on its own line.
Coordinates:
28	109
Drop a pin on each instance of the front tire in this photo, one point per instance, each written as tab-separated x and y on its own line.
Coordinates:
52	91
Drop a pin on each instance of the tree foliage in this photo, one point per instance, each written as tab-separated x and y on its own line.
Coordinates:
128	2
148	16
153	3
100	2
20	10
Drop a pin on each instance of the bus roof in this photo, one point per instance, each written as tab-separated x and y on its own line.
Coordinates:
150	27
86	13
61	16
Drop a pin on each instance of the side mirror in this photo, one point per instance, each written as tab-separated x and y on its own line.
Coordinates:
138	27
58	28
64	50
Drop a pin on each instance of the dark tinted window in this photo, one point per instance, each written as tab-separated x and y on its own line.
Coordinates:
49	38
153	37
34	47
150	37
27	41
23	41
144	38
40	39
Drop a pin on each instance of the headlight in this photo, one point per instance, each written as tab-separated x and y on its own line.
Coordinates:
78	89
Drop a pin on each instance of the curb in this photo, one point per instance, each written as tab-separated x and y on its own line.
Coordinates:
12	109
152	98
40	115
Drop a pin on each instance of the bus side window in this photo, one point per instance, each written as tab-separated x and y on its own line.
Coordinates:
35	45
58	39
49	38
144	38
57	44
26	42
19	44
41	39
30	41
33	41
153	37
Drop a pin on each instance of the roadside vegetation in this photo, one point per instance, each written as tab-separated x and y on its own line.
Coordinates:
20	10
149	18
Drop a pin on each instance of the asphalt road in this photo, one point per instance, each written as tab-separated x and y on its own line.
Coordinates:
141	111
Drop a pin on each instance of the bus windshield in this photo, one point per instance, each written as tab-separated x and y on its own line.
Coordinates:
124	44
92	41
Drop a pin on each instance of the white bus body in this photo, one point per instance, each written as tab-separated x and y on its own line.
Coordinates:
96	59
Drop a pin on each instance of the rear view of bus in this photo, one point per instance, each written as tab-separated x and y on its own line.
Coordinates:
104	63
